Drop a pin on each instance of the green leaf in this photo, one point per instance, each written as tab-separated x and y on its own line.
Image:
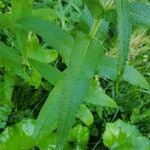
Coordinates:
120	135
51	74
108	69
85	115
21	8
9	54
124	33
35	78
8	87
139	13
80	136
95	8
6	90
103	28
97	96
43	55
5	110
45	13
48	143
6	21
76	82
52	34
39	53
12	61
22	131
47	119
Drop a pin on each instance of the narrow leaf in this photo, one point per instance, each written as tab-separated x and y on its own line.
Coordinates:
51	74
108	70
124	33
52	34
97	96
76	82
48	117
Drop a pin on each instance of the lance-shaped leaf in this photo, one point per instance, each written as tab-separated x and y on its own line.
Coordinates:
51	34
76	82
97	96
50	73
124	32
108	69
47	119
140	13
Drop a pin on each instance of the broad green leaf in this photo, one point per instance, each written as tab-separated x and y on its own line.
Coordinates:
51	34
85	115
97	96
80	136
51	74
122	136
95	8
18	137
76	82
108	69
124	33
47	119
45	13
139	13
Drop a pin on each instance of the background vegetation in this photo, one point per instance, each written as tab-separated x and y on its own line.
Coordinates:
119	120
